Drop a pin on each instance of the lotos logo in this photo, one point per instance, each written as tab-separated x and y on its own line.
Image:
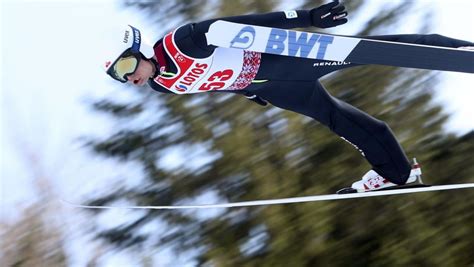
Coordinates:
244	38
302	42
181	88
196	72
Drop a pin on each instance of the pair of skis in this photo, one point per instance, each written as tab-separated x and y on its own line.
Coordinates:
267	202
345	193
329	48
338	48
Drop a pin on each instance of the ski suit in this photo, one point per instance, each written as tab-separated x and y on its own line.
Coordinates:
292	84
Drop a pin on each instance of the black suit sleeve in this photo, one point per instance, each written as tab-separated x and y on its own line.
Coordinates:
273	19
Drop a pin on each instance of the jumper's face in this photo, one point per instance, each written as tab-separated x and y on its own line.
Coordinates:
144	71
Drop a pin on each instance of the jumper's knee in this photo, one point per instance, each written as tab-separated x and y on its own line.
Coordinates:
321	107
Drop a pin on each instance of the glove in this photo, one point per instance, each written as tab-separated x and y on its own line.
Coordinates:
328	15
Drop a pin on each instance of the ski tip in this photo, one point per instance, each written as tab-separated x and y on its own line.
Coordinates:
347	190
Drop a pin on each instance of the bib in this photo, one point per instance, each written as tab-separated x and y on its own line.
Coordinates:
225	69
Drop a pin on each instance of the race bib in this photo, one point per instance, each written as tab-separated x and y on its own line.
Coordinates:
197	75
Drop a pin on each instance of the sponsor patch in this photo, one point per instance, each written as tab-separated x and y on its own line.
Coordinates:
291	14
330	63
244	38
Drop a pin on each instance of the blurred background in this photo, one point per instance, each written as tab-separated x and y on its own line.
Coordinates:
69	132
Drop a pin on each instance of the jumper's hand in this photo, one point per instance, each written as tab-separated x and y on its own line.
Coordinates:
328	15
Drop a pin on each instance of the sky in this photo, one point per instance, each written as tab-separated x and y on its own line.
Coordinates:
52	56
51	70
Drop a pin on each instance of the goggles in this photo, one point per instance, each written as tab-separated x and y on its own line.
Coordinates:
125	65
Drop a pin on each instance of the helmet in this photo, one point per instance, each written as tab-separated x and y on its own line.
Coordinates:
130	41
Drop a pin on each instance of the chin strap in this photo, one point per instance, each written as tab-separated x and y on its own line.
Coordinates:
157	68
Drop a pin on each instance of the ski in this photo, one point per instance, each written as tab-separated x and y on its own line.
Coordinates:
350	190
338	48
287	200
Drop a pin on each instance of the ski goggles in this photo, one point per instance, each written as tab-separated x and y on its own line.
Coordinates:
125	65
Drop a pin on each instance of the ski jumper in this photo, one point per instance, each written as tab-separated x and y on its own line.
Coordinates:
189	65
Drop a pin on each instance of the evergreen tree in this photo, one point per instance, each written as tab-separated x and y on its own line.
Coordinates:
30	241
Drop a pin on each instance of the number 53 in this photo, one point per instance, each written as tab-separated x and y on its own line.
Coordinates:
217	80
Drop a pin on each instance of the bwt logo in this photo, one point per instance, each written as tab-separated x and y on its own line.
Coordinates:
244	38
305	43
291	41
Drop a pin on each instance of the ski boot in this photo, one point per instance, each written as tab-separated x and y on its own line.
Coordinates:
372	181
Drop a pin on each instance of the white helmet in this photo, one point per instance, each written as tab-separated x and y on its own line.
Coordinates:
131	41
